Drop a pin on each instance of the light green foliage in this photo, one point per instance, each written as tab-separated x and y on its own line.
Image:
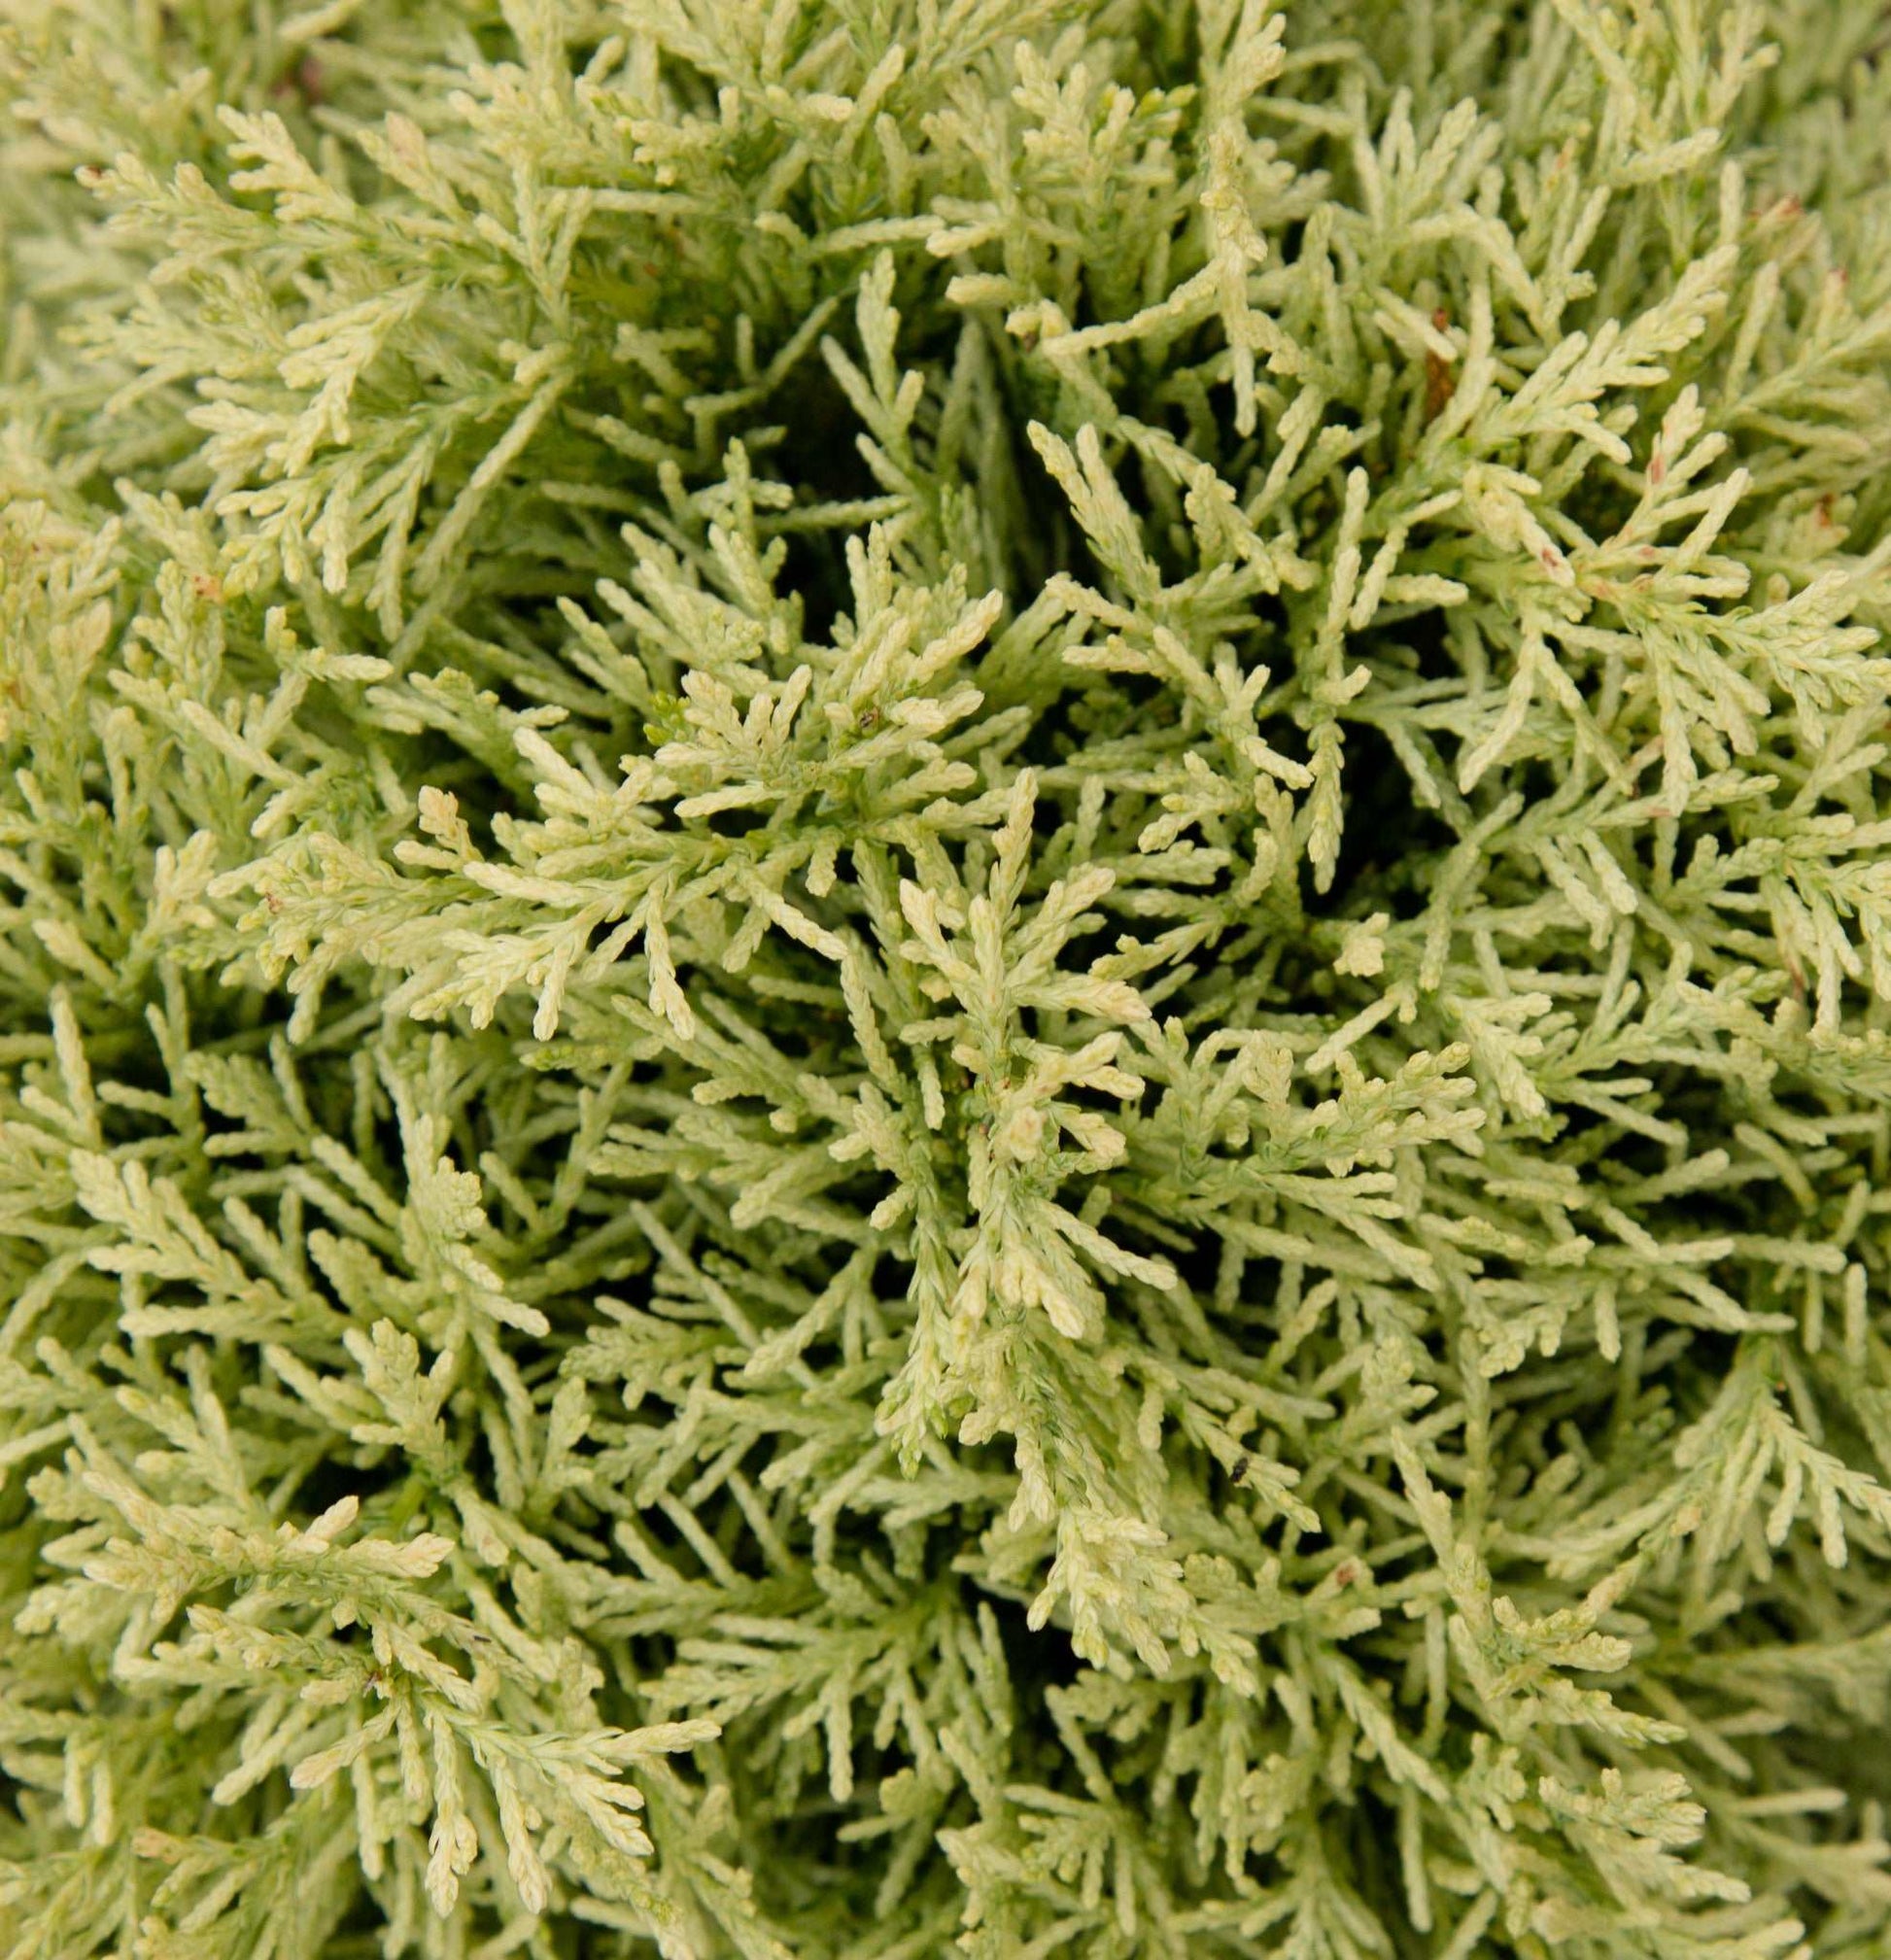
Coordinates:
945	980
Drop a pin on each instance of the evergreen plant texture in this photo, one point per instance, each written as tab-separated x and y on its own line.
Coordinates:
945	979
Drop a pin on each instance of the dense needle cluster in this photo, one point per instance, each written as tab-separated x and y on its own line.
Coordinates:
945	980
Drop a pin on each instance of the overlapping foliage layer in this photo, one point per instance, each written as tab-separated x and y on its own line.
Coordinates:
945	966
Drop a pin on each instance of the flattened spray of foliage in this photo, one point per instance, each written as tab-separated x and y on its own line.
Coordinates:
945	980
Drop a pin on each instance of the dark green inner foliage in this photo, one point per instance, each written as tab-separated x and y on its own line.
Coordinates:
945	964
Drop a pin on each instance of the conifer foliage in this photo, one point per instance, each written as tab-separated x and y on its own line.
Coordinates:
945	980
